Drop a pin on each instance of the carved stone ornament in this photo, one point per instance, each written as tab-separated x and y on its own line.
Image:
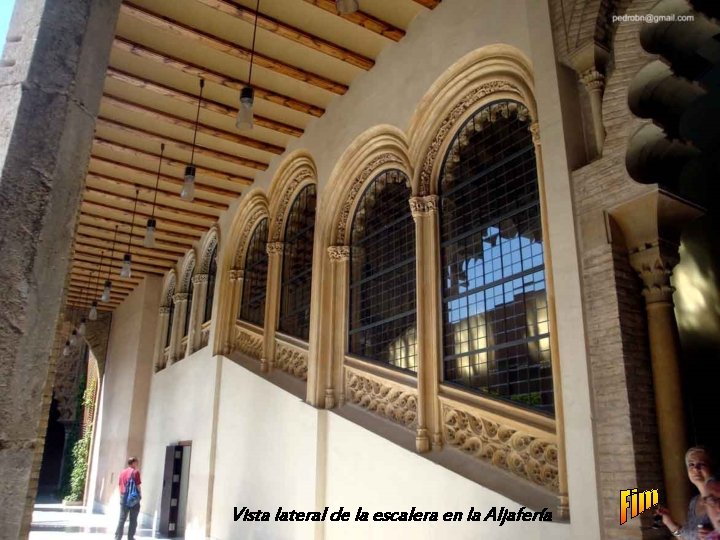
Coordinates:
339	253
520	453
448	125
199	278
205	260
274	247
424	206
356	187
593	79
288	196
248	343
237	274
256	216
535	132
164	310
654	265
180	297
292	361
394	402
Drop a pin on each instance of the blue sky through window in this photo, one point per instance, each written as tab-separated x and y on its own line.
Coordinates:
6	8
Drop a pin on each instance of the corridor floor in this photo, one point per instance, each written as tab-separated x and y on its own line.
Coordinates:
57	522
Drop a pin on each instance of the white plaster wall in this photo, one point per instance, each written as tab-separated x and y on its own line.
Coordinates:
181	409
266	454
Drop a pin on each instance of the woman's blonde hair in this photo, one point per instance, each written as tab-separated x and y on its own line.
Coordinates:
703	450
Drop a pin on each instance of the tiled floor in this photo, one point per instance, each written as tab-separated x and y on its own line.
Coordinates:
56	522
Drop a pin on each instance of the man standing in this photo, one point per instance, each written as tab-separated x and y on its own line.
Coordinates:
123	480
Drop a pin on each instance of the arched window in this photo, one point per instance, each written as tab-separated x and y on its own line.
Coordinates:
171	307
382	274
188	304
252	307
212	273
294	317
495	314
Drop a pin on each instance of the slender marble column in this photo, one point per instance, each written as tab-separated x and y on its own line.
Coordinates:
334	390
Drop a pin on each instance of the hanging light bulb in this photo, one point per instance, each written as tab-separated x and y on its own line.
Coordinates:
92	314
66	349
247	94
346	7
245	112
106	291
126	270
149	241
151	226
188	190
73	338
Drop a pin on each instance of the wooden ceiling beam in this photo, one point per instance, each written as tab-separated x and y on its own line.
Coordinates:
201	213
137	270
205	39
215	77
200	172
72	303
177	143
135	250
191	99
80	279
81	293
98	218
160	116
74	297
189	228
106	234
144	264
430	4
84	266
290	32
362	19
106	179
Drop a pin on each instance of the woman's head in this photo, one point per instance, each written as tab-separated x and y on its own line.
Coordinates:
699	465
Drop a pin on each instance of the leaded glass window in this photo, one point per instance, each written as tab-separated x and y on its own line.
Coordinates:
297	266
382	274
495	315
212	273
188	304
252	307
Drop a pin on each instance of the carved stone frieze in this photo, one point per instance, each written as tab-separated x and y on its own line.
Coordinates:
291	360
522	454
356	187
339	253
248	343
392	401
449	123
302	175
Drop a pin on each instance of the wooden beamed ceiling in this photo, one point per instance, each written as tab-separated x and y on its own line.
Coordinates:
305	56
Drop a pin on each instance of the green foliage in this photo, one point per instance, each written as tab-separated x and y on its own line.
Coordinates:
77	451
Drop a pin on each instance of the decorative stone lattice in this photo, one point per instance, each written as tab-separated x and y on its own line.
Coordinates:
248	343
520	453
291	360
395	402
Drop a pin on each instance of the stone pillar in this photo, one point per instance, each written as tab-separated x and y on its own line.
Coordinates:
334	385
161	339
180	312
651	225
424	212
237	277
200	283
594	82
272	299
51	81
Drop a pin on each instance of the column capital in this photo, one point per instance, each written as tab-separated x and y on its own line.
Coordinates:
164	310
593	79
274	247
654	265
237	274
424	206
180	297
199	278
339	253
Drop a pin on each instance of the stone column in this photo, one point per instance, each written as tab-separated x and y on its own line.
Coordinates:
237	277
424	212
272	299
51	81
334	386
594	82
179	314
651	225
161	338
200	283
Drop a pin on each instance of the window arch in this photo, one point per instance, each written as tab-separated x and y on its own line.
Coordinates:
252	307
210	296
495	314
294	317
382	274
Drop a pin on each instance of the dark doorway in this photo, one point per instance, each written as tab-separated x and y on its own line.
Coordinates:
173	503
50	473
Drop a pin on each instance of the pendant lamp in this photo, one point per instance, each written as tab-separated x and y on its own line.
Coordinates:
126	270
247	94
188	190
151	226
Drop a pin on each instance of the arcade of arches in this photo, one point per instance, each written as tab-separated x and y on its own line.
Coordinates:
464	258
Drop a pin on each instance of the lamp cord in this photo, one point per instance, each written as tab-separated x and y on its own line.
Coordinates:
157	181
252	50
132	223
197	120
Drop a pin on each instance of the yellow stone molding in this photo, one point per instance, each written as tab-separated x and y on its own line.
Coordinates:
381	396
248	343
291	359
